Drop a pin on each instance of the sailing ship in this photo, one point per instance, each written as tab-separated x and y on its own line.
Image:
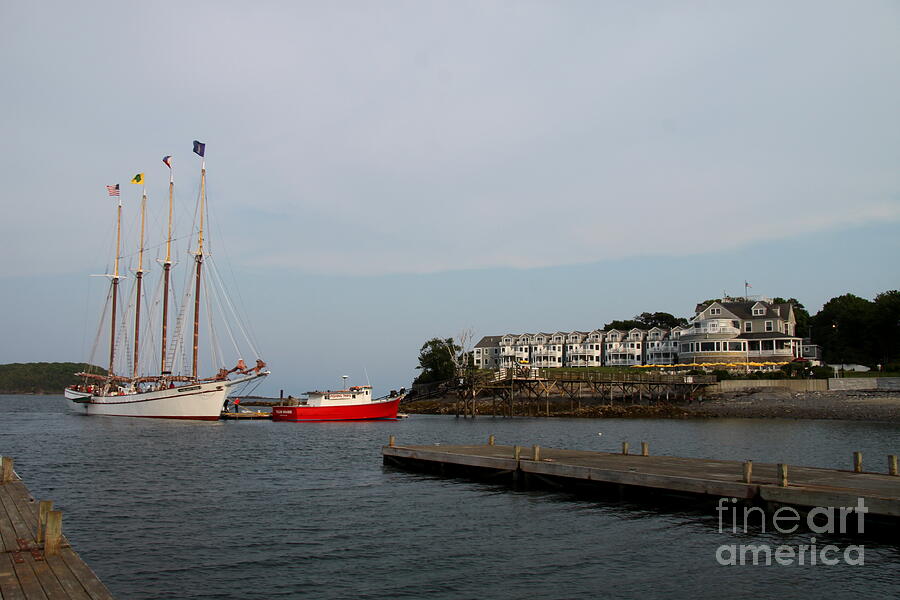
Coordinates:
170	392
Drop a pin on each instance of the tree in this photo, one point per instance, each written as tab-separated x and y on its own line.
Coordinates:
437	360
647	320
844	328
623	325
886	327
661	319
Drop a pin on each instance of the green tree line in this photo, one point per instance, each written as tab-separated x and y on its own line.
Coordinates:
851	329
41	377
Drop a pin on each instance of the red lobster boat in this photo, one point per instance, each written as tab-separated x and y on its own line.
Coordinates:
353	404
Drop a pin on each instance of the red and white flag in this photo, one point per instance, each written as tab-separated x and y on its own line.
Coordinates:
113	189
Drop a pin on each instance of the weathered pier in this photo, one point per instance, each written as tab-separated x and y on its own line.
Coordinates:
529	391
36	559
642	476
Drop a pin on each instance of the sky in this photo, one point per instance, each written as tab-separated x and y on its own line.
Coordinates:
380	173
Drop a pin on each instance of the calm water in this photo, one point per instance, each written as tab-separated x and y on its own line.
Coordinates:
168	509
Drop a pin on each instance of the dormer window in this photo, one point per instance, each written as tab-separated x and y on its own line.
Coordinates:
759	312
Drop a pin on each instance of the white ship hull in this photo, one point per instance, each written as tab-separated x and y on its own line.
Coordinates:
199	401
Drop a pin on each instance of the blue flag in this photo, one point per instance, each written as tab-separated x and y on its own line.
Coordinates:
199	149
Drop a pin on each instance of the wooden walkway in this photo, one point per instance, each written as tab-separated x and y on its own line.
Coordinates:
757	483
26	571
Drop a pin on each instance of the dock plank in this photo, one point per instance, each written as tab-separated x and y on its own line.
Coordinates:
85	576
9	582
69	582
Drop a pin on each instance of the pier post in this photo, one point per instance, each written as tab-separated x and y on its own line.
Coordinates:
748	472
6	469
892	465
44	508
391	441
645	449
782	475
857	462
517	452
624	447
53	532
535	452
491	440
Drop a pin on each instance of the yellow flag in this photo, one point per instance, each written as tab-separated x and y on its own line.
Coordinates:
139	178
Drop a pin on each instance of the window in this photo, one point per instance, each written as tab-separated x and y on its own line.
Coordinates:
768	325
715	311
748	326
758	312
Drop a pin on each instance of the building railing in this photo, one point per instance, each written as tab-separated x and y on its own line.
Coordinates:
718	330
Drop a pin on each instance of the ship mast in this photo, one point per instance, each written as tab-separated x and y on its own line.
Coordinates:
115	291
200	149
139	274
167	267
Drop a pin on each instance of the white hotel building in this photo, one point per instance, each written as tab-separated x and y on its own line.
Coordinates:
731	330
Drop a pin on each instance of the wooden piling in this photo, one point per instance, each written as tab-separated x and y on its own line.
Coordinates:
857	462
624	447
748	472
782	475
53	532
517	452
892	465
6	469
645	448
44	507
490	440
391	440
535	452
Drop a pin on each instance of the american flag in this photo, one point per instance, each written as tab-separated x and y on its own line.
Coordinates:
113	189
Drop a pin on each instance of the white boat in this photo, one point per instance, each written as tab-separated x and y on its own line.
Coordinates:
166	393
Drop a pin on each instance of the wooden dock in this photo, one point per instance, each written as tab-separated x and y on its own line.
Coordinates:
638	476
38	564
259	414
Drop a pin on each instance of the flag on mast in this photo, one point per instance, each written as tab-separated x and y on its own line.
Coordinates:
139	178
168	161
113	189
199	149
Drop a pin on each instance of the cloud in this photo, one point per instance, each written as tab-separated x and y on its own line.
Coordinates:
419	138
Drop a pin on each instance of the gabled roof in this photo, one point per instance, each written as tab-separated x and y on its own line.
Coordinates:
744	309
489	341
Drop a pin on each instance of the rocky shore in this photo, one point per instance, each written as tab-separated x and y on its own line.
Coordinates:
779	403
752	403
